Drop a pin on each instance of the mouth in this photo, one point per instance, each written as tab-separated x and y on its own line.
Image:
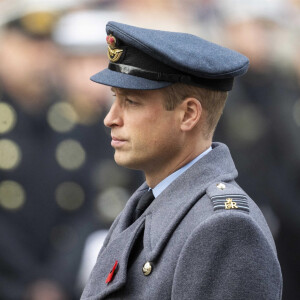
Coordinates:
117	142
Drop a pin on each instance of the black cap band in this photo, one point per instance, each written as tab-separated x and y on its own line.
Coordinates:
214	84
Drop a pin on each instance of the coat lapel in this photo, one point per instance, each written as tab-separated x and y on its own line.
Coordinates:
117	247
119	250
123	221
128	212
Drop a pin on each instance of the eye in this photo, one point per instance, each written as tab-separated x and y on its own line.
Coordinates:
130	102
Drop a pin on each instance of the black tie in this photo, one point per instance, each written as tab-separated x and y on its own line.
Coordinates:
143	203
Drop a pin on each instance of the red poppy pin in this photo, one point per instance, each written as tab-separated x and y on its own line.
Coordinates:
111	273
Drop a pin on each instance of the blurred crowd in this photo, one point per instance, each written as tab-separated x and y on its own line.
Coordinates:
60	189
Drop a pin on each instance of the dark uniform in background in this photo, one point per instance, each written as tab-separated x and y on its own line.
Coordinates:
260	127
54	171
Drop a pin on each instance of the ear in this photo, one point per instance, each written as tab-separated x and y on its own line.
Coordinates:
191	110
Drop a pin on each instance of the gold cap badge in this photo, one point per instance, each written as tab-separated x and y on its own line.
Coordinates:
113	53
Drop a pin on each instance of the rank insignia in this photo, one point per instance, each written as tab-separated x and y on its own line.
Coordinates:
230	202
112	273
113	53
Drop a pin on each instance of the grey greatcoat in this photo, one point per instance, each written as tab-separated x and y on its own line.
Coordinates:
203	236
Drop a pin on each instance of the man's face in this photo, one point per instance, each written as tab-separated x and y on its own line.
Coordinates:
144	134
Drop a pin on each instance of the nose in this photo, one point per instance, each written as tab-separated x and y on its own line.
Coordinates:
113	117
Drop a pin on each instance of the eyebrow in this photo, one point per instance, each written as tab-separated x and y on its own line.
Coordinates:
126	92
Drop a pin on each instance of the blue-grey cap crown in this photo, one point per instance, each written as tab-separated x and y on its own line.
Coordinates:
185	52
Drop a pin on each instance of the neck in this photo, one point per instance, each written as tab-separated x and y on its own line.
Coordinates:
155	175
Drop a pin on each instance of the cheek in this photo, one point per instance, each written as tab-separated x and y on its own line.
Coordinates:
163	136
154	131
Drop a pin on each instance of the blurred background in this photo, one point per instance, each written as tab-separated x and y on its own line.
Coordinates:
60	189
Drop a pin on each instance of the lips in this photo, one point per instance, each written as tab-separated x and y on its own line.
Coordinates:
117	142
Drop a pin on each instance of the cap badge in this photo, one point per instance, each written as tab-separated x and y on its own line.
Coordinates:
113	53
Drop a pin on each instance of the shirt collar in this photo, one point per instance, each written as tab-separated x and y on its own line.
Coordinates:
168	180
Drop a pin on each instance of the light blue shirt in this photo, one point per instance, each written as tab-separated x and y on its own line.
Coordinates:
168	180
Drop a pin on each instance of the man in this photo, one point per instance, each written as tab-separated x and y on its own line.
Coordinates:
201	237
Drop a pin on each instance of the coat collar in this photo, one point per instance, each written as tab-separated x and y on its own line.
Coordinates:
170	207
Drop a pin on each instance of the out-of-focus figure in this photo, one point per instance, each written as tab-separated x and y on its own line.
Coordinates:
58	182
264	119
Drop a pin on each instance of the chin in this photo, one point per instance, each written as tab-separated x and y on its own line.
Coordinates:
127	162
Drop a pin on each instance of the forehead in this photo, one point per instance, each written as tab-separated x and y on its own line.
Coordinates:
137	93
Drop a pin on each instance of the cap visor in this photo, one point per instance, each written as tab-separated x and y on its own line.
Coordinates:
125	81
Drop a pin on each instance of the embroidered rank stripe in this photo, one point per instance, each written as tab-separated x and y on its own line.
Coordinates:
235	196
230	202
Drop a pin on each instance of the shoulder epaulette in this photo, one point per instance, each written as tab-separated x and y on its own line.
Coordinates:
225	196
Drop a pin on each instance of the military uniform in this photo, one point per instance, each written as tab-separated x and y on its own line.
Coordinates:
202	237
198	243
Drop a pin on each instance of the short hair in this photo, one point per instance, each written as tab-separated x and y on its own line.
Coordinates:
212	102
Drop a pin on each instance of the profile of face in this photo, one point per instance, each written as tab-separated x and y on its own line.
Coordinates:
145	135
